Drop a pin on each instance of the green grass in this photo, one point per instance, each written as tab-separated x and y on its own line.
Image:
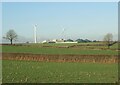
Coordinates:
51	50
0	71
53	72
115	46
0	48
63	44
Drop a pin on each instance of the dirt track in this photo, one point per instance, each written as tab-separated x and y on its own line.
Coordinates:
61	58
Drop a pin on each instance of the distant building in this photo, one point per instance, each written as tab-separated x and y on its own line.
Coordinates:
48	41
57	41
54	40
51	42
60	40
45	41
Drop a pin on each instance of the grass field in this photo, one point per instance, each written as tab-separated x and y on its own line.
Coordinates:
52	72
21	71
59	49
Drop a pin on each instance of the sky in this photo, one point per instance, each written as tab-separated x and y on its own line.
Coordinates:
85	20
59	0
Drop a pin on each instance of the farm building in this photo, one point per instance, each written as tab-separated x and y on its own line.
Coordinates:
57	41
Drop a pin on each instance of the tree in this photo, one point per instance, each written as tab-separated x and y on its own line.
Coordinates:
81	40
94	40
11	35
108	39
86	40
69	40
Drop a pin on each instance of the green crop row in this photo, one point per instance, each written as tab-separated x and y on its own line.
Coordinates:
50	50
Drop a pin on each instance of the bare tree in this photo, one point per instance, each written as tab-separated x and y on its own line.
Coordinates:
11	35
108	38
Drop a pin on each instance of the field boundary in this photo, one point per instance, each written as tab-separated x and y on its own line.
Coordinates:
61	58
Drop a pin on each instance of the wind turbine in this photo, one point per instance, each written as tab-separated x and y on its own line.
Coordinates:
63	32
35	33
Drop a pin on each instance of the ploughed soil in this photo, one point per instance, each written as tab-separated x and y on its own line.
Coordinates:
60	58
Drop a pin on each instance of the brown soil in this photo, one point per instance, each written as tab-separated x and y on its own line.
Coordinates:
61	58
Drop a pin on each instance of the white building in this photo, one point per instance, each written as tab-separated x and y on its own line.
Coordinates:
57	41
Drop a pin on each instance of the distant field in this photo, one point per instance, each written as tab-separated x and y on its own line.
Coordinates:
52	72
87	48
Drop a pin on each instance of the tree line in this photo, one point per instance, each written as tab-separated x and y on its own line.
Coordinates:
108	38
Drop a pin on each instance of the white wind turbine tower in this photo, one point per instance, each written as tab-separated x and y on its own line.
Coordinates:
63	33
35	33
